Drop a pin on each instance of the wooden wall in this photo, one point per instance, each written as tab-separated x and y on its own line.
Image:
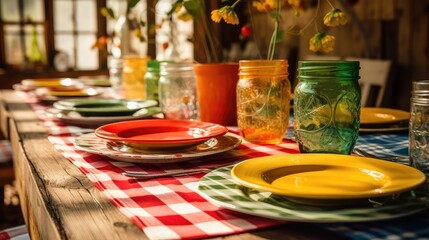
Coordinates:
397	30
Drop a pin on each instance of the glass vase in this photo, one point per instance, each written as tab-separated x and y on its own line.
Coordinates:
263	100
327	106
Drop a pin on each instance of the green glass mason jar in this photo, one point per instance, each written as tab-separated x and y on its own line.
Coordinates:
263	100
327	106
151	79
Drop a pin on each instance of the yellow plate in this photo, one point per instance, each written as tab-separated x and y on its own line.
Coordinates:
85	92
50	82
326	176
382	115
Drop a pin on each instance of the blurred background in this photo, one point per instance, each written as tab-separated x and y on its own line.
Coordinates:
72	38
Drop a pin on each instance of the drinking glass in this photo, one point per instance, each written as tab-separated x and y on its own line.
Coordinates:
327	106
263	100
419	126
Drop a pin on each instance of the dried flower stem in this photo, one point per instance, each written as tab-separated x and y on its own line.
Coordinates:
210	48
252	23
273	41
309	22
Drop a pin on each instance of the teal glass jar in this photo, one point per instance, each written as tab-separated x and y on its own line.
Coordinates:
327	106
151	79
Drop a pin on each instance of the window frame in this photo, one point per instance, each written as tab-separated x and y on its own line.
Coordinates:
49	40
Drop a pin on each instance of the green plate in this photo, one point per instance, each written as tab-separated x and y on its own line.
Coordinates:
103	106
219	188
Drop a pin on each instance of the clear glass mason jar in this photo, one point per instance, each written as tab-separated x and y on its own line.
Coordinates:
419	126
151	79
133	77
177	90
327	106
263	100
116	66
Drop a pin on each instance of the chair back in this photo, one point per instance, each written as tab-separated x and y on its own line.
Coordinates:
373	75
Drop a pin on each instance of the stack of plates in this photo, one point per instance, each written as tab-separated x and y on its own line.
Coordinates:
94	112
32	84
383	120
53	89
317	188
158	140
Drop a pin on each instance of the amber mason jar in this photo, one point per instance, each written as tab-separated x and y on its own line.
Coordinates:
327	106
133	85
263	100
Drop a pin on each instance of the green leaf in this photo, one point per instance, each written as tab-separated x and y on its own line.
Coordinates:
272	15
280	36
132	3
110	13
174	6
192	6
143	23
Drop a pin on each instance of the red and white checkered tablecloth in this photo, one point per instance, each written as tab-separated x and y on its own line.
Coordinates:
164	208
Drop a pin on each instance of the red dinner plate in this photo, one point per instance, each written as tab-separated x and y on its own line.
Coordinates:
160	133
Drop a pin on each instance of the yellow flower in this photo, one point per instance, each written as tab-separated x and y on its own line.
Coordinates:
230	16
295	4
265	5
226	13
216	16
335	18
322	42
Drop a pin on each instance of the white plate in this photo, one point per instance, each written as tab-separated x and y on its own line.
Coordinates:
91	143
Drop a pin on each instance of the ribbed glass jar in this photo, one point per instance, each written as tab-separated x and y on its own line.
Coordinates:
116	66
263	100
327	106
177	90
419	126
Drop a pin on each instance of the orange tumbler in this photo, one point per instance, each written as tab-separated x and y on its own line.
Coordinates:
216	92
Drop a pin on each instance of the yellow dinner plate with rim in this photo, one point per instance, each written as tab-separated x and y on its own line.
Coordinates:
326	176
51	82
382	115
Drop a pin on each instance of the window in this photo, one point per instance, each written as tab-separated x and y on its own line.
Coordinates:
75	30
23	30
34	32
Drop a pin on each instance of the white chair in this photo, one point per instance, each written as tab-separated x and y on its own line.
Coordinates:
373	73
321	57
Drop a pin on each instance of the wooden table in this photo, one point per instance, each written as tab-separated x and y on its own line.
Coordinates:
59	202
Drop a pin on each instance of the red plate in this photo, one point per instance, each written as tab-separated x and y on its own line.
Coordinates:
160	133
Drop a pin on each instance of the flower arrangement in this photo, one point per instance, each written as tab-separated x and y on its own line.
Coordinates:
320	42
186	10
